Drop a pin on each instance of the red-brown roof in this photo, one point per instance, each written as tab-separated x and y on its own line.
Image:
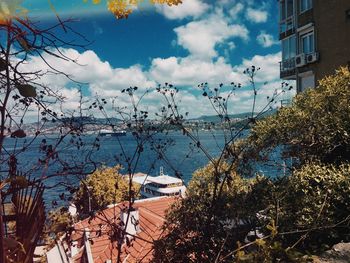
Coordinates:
151	218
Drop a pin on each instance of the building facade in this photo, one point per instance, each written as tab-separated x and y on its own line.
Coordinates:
315	37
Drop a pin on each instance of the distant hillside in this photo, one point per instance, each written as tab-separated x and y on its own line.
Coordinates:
78	121
242	116
90	120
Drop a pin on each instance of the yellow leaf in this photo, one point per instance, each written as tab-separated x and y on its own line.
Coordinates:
10	9
260	242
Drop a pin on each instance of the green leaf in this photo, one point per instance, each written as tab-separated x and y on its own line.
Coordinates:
26	90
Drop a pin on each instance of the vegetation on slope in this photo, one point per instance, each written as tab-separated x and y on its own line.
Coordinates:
227	218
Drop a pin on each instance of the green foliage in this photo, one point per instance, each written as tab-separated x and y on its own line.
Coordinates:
200	229
310	212
304	213
315	127
307	211
59	220
267	251
57	223
316	204
105	186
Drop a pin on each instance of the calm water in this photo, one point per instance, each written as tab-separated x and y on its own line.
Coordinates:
178	153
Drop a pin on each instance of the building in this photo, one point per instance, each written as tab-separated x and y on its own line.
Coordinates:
96	240
315	36
162	185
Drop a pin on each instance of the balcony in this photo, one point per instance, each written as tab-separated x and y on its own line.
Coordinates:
287	68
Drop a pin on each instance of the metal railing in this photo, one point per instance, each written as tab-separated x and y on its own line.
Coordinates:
287	64
287	67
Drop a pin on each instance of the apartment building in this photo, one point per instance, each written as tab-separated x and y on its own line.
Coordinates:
315	36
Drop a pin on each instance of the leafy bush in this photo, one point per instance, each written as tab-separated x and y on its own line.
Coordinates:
315	127
305	212
103	187
200	229
315	206
57	223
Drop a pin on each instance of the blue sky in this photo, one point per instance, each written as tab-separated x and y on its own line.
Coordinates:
198	41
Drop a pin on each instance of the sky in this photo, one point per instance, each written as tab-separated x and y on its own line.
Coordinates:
198	41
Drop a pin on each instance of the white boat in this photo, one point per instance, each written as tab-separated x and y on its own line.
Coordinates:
162	185
112	133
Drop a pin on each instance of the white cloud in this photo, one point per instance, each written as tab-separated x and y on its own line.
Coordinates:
189	8
91	67
201	37
269	66
235	10
190	71
71	99
214	32
120	79
256	16
266	40
100	75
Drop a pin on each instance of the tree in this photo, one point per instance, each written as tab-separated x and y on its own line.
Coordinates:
315	127
314	207
304	211
198	232
123	8
21	92
58	221
103	187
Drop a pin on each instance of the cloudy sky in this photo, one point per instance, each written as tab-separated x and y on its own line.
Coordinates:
198	41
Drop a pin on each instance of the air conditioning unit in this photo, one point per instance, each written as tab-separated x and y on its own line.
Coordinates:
300	60
313	57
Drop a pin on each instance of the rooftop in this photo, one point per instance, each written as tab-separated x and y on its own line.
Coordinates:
151	218
161	179
164	179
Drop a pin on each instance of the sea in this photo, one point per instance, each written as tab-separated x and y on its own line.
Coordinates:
176	153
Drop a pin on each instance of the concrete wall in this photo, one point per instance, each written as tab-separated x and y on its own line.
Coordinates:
332	33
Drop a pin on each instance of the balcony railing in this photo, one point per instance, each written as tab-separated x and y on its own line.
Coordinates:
287	68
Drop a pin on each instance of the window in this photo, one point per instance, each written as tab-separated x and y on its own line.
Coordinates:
305	5
288	48
286	9
307	43
289	7
286	15
282	11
